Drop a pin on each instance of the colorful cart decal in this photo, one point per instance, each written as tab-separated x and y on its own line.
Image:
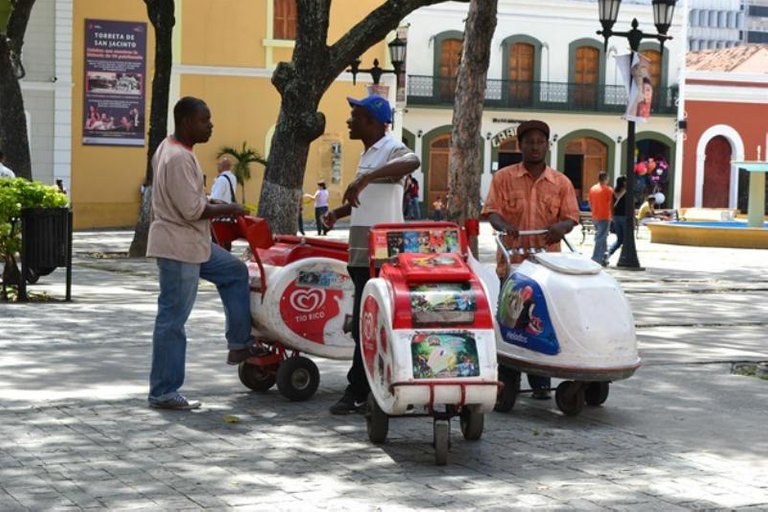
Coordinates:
443	302
523	316
441	355
392	243
313	304
375	344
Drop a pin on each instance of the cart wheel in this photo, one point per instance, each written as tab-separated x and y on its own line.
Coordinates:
297	378
596	393
569	396
376	421
442	437
471	424
507	396
255	377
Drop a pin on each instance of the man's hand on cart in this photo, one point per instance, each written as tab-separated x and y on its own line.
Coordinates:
222	210
557	231
501	225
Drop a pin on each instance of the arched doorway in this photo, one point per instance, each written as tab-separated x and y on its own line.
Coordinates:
438	170
585	157
717	173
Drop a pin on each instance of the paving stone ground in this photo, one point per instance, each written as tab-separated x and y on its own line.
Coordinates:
682	434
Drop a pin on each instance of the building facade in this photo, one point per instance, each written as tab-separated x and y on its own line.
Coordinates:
716	24
546	63
726	108
224	52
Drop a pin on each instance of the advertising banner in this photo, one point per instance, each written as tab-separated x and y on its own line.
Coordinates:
115	83
639	87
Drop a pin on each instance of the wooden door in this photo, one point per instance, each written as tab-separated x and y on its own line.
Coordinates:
450	56
717	173
654	73
520	67
593	159
586	77
438	171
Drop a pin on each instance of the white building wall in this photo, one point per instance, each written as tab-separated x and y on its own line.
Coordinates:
46	88
555	23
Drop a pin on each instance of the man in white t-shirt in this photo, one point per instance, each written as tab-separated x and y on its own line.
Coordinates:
375	196
4	171
223	189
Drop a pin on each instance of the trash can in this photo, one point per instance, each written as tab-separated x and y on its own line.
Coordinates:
46	244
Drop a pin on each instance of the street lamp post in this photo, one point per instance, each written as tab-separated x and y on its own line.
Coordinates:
396	55
663	10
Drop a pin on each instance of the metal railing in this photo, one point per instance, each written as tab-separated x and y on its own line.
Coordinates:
563	96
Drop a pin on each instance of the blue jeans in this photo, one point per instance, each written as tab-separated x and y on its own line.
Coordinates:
414	211
618	225
601	240
178	290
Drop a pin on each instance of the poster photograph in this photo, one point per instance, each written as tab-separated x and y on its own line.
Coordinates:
639	87
452	303
443	355
115	83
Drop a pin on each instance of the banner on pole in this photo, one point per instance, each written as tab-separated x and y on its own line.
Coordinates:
637	81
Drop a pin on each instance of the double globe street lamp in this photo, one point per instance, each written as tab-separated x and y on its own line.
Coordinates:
663	11
396	55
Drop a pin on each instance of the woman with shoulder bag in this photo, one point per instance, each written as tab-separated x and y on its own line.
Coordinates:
619	214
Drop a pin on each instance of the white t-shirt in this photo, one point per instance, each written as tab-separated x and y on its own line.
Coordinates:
379	202
220	189
6	172
321	198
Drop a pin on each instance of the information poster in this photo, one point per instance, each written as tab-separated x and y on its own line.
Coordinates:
115	83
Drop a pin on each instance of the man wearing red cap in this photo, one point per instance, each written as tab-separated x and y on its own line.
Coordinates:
375	196
531	195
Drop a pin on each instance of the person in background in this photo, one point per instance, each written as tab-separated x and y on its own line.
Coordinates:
180	239
619	213
321	206
647	212
527	196
375	196
601	202
223	189
413	196
5	172
437	209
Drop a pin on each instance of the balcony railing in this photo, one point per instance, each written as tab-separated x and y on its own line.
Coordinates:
562	96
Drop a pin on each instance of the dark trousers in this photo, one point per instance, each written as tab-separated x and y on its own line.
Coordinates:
535	381
319	212
358	382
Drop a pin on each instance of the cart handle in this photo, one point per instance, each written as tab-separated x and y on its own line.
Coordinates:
499	236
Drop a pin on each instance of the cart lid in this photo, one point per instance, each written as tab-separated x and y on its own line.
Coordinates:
567	263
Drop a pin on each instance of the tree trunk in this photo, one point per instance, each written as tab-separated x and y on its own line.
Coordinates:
465	157
13	123
161	15
301	84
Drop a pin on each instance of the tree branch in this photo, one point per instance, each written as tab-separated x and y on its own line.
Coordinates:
370	30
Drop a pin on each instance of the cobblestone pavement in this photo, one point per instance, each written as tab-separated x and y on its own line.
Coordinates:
75	432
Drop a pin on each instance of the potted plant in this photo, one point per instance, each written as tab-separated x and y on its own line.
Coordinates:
15	195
